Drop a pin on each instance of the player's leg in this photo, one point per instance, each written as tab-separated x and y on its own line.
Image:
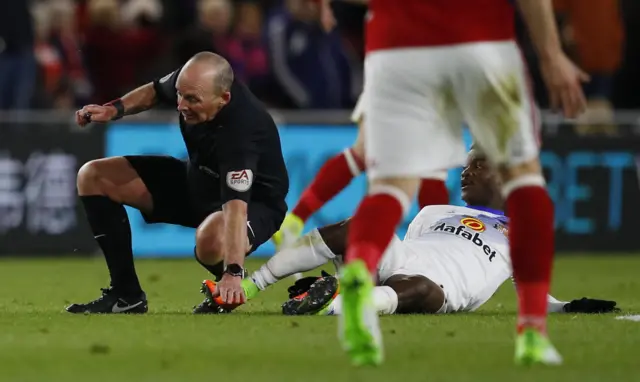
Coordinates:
400	294
407	138
105	186
529	205
416	294
333	177
312	250
499	108
433	190
396	292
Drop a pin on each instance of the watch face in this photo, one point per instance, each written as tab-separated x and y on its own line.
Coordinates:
234	269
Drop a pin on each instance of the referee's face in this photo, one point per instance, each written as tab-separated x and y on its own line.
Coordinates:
197	101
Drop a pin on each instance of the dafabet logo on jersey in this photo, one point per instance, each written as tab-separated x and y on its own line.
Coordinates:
461	231
474	224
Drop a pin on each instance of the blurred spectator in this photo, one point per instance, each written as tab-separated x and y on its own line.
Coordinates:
179	15
50	69
309	65
17	60
594	36
627	82
121	47
246	51
65	37
210	33
94	50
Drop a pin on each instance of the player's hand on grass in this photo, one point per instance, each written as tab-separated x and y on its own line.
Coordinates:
230	290
588	305
95	113
564	83
304	284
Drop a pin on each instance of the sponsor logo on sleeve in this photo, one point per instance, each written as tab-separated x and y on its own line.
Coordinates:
240	180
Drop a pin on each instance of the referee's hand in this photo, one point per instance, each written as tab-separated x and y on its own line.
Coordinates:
95	113
230	290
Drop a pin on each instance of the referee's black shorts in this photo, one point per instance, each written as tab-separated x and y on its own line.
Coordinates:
177	198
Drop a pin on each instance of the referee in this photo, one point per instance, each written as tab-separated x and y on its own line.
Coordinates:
232	188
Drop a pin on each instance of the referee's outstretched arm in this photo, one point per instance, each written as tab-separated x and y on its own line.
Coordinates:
134	102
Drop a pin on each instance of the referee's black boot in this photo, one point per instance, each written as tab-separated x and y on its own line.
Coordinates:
112	302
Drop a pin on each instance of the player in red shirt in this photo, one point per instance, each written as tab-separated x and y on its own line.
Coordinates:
335	175
430	65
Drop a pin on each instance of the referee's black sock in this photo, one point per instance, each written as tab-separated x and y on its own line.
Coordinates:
215	270
110	225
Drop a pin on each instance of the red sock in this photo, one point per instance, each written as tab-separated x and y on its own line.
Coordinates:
333	177
432	192
531	237
372	228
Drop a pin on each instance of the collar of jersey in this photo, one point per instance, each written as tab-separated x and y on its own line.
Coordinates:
490	210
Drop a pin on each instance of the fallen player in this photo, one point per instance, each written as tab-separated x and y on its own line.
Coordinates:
452	259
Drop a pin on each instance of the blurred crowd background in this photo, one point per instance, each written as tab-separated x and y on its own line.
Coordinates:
65	53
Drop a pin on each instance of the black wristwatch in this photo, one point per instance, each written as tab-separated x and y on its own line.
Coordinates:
235	270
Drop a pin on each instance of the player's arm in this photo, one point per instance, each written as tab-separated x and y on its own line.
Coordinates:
562	78
541	23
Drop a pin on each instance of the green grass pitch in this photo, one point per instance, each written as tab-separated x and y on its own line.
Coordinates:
41	342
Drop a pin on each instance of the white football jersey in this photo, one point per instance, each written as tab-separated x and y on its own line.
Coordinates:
464	250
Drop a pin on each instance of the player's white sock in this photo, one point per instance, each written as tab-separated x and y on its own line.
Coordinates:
554	305
307	253
385	300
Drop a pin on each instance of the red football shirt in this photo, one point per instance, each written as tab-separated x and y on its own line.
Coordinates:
412	23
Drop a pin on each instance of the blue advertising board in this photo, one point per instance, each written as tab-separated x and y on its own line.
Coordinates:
593	182
305	149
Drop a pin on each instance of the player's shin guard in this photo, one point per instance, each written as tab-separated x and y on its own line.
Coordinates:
433	191
531	238
333	177
374	224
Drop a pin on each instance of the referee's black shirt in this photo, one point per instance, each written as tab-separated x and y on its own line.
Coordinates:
236	155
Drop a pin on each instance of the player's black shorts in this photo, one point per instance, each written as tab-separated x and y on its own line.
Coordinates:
179	195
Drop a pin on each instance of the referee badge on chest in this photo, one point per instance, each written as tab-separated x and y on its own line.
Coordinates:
240	180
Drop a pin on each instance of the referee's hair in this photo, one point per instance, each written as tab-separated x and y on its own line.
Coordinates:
224	73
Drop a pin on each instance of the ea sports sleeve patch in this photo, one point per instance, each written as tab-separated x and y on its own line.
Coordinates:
238	164
240	180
